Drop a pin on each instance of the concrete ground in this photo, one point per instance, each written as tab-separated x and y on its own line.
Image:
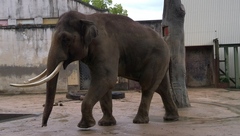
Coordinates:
213	112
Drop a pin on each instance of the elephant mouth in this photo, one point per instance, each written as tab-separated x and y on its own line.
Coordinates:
38	80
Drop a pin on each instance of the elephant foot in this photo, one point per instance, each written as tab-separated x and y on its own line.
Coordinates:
141	119
107	121
171	117
86	123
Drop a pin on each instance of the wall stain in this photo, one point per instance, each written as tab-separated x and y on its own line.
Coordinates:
7	71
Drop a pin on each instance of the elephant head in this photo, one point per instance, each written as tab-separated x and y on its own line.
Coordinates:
70	42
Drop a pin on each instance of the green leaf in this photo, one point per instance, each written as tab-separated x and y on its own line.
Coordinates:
118	9
86	1
107	4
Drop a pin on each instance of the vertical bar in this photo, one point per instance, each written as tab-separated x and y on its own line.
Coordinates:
226	62
216	42
236	67
73	83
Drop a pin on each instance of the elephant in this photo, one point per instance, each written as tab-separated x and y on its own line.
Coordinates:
111	46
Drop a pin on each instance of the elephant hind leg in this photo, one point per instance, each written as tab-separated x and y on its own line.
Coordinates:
150	80
142	114
106	106
171	111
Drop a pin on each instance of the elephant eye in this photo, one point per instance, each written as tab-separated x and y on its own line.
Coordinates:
66	40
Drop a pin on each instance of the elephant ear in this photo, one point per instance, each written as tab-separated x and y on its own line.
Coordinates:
86	29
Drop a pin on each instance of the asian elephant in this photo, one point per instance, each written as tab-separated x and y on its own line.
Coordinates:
111	45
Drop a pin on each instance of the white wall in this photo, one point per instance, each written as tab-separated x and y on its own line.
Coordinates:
206	20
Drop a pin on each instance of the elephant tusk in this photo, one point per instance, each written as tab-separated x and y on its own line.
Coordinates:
44	73
49	77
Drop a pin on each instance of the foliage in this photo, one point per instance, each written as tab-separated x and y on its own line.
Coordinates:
223	79
107	4
118	9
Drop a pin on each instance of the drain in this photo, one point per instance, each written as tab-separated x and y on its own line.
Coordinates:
10	117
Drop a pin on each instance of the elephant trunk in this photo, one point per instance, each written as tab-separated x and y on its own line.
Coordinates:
50	88
50	96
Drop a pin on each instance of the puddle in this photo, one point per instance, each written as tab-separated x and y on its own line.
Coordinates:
10	117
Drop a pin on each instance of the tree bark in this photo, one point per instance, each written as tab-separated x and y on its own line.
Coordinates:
173	32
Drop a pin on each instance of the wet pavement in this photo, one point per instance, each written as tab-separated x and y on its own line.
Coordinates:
213	112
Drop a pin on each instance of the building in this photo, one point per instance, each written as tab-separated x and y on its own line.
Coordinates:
26	27
205	21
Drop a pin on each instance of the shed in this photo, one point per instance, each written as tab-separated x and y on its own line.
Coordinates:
205	21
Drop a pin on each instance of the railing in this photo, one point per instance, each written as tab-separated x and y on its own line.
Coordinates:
226	72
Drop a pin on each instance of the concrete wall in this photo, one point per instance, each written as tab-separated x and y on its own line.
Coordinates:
23	55
154	24
24	47
25	9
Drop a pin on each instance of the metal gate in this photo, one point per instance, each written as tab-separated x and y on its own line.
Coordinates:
85	76
227	63
85	79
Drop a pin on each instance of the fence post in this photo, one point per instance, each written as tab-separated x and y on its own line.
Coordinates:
226	57
216	43
236	67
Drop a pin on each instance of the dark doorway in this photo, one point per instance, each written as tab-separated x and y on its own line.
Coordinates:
199	66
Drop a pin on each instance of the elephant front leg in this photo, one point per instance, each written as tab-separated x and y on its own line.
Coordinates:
106	105
87	117
104	76
99	90
95	93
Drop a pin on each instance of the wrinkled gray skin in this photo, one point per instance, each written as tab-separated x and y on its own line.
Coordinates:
111	46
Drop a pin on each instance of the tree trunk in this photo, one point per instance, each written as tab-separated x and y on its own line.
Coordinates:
173	32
